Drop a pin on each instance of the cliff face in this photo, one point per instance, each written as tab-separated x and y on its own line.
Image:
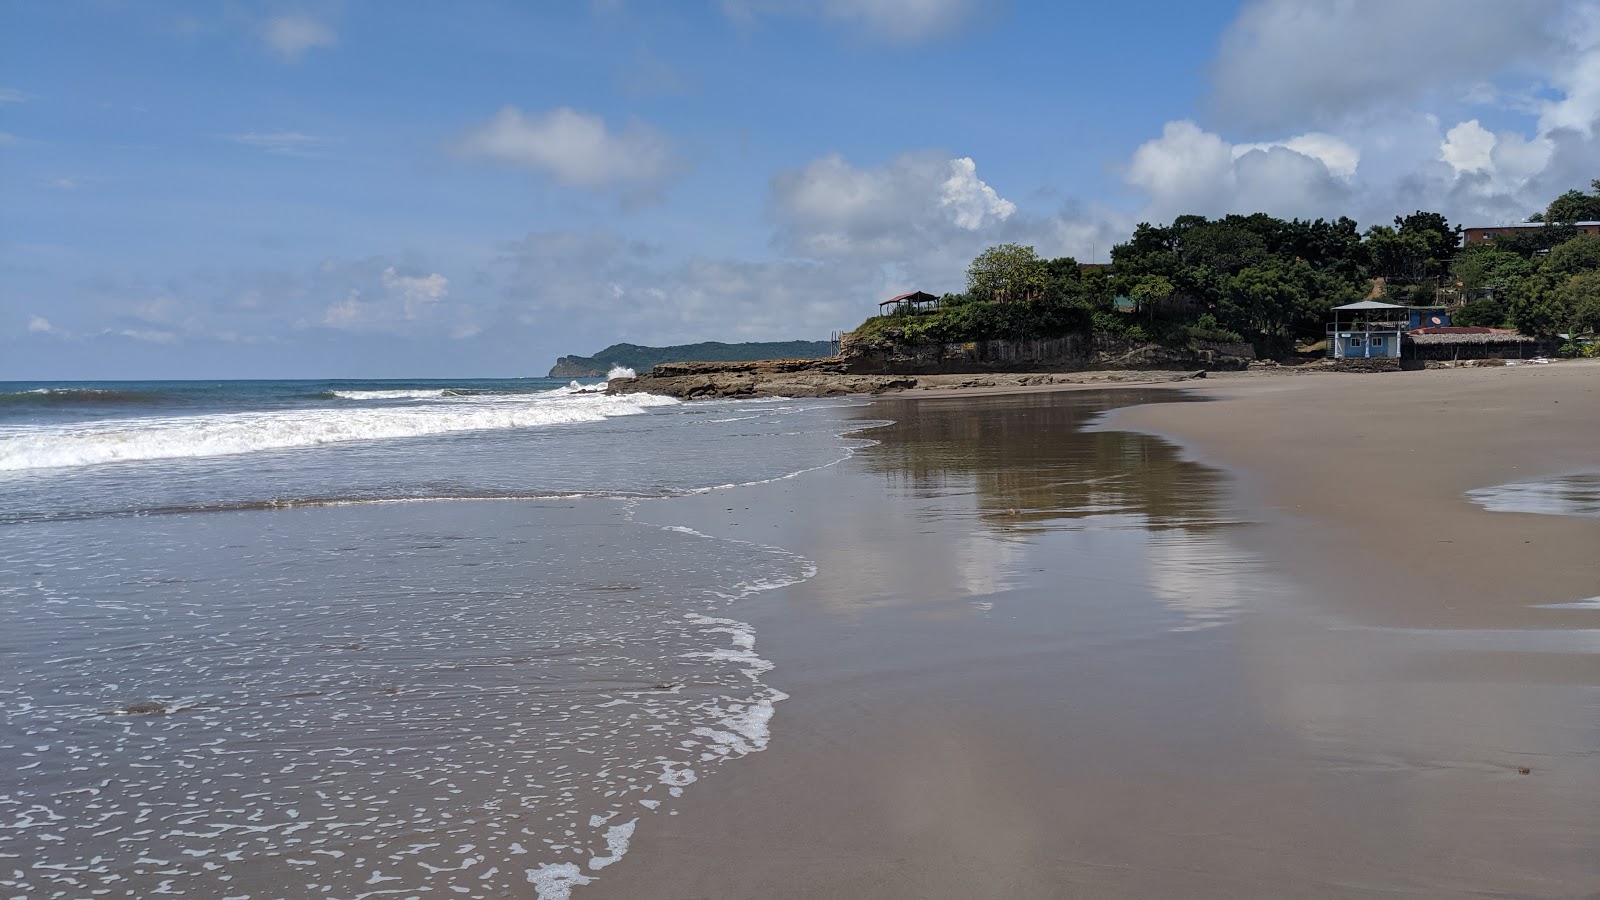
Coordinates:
1077	352
871	370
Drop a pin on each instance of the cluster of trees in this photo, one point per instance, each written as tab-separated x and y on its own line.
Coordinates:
1273	282
1537	280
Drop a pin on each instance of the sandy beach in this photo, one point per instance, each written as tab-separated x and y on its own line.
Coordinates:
1276	651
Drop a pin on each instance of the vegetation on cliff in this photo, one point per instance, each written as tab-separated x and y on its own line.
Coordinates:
641	359
1272	282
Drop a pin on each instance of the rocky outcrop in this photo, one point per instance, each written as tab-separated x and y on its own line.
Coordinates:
774	378
1077	352
861	369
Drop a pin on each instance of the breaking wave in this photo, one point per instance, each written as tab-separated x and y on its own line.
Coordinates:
77	397
433	394
126	440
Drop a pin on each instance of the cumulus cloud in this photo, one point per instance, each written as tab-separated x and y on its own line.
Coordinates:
576	149
893	21
1394	116
282	143
292	36
1191	170
41	325
375	296
830	208
1284	64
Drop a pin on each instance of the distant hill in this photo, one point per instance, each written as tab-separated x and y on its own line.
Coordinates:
640	359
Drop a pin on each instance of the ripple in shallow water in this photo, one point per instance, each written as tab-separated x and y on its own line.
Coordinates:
452	698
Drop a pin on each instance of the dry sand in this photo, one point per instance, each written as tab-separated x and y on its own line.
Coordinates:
1005	684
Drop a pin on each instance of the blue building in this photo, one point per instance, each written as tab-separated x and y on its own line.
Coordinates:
1368	330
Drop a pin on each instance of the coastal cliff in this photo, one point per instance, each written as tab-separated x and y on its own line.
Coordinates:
875	369
638	358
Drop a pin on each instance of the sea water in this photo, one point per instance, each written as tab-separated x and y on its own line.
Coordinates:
370	638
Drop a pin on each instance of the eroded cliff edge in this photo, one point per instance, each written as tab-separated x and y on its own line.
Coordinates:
876	369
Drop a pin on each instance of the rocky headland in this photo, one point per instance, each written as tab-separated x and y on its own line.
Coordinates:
984	364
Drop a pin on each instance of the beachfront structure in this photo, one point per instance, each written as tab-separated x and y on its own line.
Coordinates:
1367	330
916	301
1463	342
1484	234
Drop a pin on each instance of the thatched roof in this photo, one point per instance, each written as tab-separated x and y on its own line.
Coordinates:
1461	334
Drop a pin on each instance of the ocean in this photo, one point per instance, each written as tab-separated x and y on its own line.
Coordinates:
371	638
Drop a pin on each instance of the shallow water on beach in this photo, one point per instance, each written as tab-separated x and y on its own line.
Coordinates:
1571	495
304	638
362	698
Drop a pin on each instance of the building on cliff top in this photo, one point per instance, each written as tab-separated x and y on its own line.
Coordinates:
1487	233
916	301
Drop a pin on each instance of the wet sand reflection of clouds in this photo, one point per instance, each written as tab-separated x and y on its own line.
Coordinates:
986	457
1571	495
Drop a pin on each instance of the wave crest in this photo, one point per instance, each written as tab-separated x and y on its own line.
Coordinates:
128	440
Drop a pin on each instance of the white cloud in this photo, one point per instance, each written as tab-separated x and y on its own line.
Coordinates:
41	325
282	143
415	291
1340	159
972	203
1283	64
831	208
894	21
12	95
150	335
576	149
1383	103
1468	147
346	313
290	37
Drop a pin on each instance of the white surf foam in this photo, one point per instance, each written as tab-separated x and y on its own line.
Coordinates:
124	440
393	395
621	372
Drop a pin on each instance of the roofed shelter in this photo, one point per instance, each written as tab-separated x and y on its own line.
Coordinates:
1367	330
914	302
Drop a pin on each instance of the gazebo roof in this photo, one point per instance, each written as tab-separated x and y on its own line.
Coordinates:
1368	304
914	297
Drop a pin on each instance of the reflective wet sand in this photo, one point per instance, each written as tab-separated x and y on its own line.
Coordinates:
1041	662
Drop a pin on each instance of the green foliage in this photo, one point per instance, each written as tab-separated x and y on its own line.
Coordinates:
642	358
1486	313
1272	282
1006	273
1573	257
1488	270
1575	206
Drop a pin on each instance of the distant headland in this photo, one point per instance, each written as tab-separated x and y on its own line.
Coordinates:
642	359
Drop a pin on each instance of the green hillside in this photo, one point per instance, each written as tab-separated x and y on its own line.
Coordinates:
640	359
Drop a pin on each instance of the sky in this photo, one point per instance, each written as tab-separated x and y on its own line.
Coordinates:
367	189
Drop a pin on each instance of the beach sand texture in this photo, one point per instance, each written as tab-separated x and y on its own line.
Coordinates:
1291	658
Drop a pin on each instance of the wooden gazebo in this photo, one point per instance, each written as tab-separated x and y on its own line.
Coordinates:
914	302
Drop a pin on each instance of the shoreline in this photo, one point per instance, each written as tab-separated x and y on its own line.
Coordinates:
945	736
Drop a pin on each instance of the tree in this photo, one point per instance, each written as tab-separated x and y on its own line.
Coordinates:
1488	270
1545	304
1575	206
1578	301
1007	272
1397	255
1486	313
1581	254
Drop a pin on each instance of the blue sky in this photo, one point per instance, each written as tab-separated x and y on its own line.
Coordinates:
366	189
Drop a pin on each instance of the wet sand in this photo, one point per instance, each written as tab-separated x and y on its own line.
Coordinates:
1289	659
